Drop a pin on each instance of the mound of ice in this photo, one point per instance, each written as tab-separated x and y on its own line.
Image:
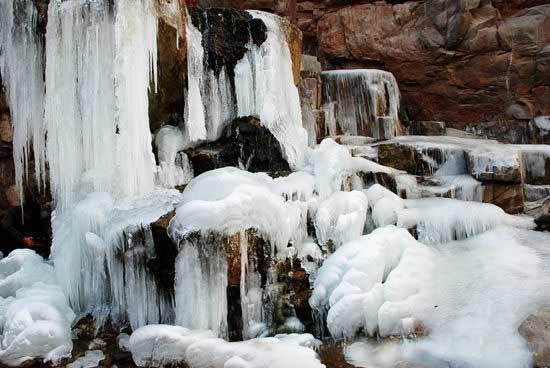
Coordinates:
227	201
341	217
90	360
470	296
349	283
161	345
35	318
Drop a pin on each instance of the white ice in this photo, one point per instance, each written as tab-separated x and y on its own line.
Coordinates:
341	217
161	345
35	318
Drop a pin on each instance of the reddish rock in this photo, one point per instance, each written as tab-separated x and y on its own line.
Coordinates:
460	62
508	197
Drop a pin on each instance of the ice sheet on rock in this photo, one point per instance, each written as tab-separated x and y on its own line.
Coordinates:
264	87
174	166
341	217
21	67
542	122
90	360
440	220
355	100
536	158
35	318
226	201
99	63
310	255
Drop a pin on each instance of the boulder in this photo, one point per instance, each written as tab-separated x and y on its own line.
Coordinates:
536	331
507	196
244	143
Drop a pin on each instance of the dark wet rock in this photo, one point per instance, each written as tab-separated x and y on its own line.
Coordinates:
167	101
162	266
244	143
225	35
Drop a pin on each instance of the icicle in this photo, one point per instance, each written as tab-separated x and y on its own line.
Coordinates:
21	67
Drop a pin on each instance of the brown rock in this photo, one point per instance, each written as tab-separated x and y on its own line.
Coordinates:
6	128
294	40
508	197
536	330
426	128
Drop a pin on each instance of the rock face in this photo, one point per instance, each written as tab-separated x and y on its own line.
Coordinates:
462	62
473	64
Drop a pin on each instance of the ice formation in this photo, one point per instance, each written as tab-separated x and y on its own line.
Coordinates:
101	249
174	167
476	294
96	105
361	101
35	318
264	87
160	345
21	68
341	217
90	360
226	201
201	286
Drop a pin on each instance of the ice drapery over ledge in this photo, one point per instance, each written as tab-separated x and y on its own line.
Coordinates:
21	69
361	101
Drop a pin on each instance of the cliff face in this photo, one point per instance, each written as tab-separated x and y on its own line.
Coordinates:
461	61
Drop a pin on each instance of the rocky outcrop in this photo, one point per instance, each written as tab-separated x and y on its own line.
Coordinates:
456	61
244	143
